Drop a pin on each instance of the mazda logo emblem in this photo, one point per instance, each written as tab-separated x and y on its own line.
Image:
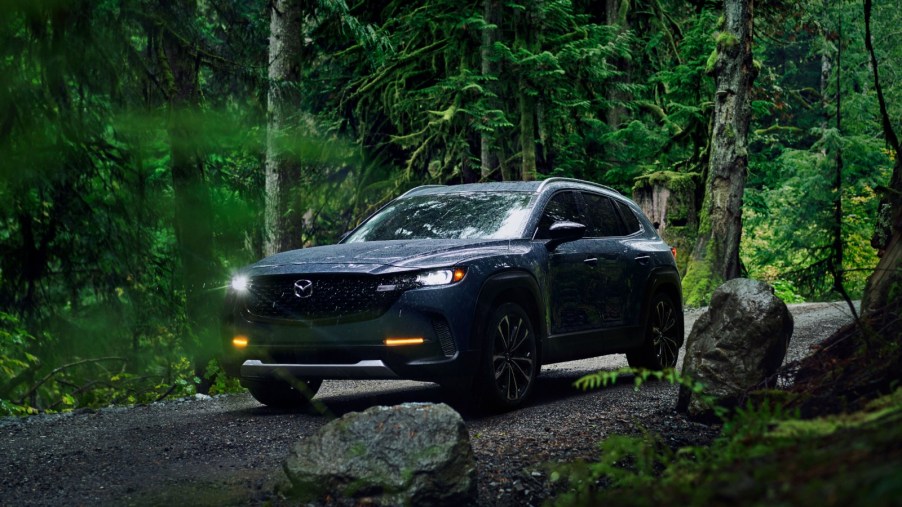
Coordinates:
303	288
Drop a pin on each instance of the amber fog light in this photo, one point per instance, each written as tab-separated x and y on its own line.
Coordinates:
239	342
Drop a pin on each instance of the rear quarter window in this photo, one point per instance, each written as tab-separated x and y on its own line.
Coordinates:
604	221
629	218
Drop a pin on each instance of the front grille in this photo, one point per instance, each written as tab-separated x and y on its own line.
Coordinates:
344	298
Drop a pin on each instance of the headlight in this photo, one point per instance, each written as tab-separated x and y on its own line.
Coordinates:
240	283
425	279
440	277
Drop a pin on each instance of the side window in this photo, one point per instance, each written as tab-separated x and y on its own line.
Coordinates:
604	219
632	223
561	208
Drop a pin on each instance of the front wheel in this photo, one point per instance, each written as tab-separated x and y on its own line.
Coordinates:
663	336
283	394
509	365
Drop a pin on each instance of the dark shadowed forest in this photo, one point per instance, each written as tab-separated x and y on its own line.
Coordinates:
148	149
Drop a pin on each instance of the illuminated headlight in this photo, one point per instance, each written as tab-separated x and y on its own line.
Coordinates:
240	283
440	277
437	277
425	279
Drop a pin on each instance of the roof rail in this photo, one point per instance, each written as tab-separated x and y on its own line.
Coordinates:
574	180
418	188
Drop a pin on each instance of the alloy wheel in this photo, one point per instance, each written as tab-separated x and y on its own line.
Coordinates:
513	357
665	342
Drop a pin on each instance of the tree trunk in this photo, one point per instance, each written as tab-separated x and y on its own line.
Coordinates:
885	284
715	258
527	38
492	12
836	263
282	216
527	134
615	112
192	207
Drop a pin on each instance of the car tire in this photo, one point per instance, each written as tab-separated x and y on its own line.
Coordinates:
509	364
282	394
663	336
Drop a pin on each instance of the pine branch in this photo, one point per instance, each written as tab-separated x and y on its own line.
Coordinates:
62	368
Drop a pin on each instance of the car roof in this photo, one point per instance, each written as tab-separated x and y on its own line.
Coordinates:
512	186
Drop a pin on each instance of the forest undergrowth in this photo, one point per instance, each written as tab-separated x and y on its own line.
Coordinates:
831	435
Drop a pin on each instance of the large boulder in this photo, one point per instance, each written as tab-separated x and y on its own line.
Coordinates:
735	345
410	454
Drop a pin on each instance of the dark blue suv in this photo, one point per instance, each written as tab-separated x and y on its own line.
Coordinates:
473	286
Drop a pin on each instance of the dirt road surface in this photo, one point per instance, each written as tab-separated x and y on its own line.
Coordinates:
227	450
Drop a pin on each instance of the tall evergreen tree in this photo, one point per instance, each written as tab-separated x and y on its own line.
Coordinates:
885	284
178	60
715	258
283	170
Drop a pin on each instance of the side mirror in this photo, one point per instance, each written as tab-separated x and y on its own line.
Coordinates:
562	232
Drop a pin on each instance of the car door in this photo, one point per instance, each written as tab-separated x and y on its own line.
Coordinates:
570	309
612	280
643	264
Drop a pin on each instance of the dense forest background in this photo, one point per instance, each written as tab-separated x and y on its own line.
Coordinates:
148	149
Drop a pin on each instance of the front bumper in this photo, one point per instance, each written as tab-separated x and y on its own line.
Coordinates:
366	369
442	316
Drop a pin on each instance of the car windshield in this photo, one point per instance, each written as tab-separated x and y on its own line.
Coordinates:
471	215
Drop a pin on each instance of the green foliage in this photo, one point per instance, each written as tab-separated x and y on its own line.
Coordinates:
642	376
768	452
392	95
786	291
634	463
788	213
764	446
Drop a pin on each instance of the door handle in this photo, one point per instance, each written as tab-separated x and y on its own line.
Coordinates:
643	259
591	261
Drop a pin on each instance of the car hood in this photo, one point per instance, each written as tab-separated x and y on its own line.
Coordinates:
379	256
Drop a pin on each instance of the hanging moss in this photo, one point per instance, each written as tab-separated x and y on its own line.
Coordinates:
712	60
726	40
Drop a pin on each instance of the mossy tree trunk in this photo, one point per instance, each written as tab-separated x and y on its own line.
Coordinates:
492	11
884	287
282	216
193	219
527	38
715	257
836	257
615	15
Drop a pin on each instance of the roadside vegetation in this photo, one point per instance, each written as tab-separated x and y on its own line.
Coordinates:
830	436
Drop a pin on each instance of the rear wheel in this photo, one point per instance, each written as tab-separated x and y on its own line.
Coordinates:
283	394
509	365
663	336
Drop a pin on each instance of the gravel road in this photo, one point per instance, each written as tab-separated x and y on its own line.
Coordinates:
227	450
